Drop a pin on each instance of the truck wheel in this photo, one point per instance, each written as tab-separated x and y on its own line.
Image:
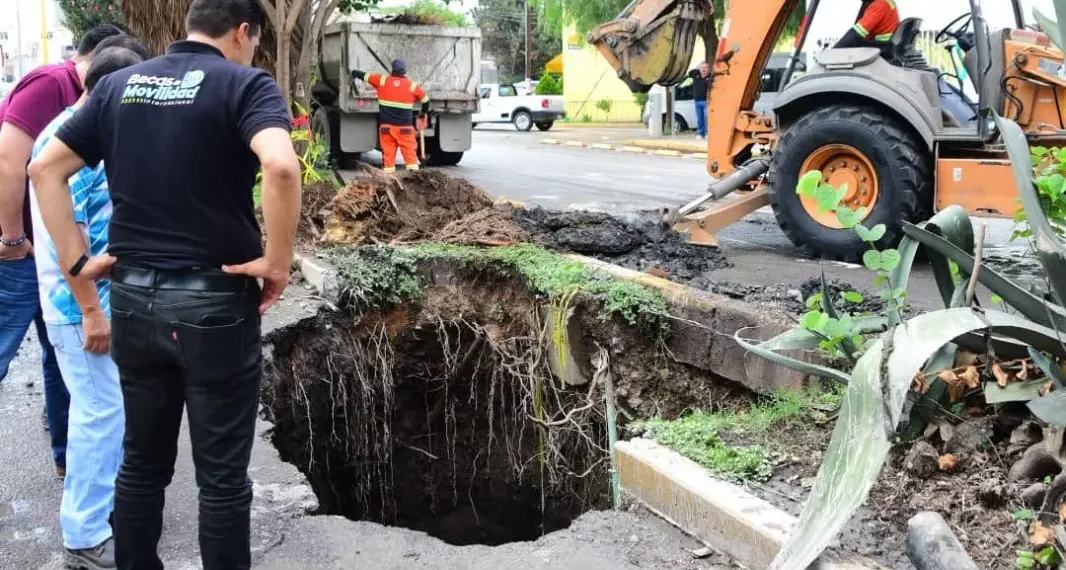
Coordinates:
523	120
437	157
544	125
326	125
885	165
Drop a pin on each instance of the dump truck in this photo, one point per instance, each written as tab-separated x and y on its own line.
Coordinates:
445	60
903	137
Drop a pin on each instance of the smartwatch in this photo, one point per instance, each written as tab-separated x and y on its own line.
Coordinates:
78	265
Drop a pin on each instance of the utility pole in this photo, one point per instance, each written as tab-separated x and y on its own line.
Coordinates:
44	32
529	35
18	34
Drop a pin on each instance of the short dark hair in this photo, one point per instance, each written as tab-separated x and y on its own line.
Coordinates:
215	18
109	60
123	40
95	35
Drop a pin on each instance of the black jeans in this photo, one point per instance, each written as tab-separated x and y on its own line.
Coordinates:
192	340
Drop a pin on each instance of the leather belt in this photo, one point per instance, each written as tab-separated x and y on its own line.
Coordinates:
208	280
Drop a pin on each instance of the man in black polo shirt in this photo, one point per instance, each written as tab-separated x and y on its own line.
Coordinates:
182	137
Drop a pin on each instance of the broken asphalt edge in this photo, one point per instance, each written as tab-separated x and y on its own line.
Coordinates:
674	150
724	516
704	326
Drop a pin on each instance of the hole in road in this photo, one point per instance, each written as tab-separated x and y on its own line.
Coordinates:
431	425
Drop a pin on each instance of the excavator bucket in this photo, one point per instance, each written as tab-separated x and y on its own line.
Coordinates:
651	42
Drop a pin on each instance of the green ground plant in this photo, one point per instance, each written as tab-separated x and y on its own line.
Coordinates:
702	436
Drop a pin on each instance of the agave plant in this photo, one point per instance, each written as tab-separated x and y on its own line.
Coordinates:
880	383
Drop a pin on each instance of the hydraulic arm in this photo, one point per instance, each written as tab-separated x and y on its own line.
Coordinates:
651	42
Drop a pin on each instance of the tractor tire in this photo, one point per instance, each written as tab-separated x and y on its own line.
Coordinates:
325	123
877	142
544	125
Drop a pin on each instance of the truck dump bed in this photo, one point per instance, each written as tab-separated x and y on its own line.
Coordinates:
446	61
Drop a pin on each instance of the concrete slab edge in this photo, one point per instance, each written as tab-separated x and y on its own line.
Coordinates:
724	516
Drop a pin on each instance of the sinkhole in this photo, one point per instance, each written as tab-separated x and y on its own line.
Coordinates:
442	417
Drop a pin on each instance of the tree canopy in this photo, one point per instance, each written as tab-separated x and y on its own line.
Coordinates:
502	24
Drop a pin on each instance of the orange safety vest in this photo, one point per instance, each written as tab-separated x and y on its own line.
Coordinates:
397	96
878	21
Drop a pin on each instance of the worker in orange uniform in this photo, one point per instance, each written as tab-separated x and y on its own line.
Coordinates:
877	22
397	96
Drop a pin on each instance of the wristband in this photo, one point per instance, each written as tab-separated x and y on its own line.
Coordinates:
14	242
78	265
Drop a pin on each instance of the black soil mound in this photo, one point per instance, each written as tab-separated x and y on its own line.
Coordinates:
635	242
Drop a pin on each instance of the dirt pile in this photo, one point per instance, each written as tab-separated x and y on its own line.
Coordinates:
409	207
314	210
635	242
433	206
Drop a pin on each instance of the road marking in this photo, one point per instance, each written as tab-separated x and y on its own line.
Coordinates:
602	146
667	152
574	143
634	149
550	141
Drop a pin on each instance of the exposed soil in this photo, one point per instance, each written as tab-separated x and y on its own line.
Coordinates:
411	206
426	416
429	205
974	497
491	226
635	242
314	209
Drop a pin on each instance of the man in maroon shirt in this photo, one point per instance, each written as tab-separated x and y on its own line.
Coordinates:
37	99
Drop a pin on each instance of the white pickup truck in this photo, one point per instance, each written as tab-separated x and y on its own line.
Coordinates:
503	104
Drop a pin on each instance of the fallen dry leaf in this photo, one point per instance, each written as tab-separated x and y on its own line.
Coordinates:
947	462
1046	388
971	377
1040	535
948	376
657	272
1062	512
1002	376
1023	374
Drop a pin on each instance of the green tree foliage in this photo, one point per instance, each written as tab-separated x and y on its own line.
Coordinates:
587	14
502	24
81	15
549	84
431	10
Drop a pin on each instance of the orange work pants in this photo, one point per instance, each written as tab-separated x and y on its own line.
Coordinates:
392	136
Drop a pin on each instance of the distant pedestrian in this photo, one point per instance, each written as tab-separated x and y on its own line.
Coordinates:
39	97
701	84
182	137
397	95
77	314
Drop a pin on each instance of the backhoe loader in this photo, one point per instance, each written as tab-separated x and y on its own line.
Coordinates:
904	137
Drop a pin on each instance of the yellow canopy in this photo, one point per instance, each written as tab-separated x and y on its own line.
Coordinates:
555	64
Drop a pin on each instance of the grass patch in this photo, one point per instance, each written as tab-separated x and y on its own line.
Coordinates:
377	275
698	436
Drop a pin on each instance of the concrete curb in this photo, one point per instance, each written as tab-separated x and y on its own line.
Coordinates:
722	515
681	146
680	152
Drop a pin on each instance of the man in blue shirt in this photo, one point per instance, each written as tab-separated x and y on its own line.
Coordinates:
76	315
182	137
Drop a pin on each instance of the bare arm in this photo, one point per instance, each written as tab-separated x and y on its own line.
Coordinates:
281	193
49	173
15	148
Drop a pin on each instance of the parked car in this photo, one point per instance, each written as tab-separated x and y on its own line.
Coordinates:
503	104
685	107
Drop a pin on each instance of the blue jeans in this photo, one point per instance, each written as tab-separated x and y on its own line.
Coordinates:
20	304
701	118
94	445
